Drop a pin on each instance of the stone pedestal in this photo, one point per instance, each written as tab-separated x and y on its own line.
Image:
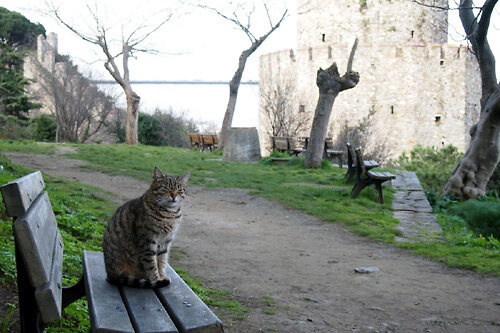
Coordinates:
241	144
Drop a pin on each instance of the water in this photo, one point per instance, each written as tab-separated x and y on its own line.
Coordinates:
201	102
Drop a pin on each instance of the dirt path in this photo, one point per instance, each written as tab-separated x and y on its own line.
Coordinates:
296	273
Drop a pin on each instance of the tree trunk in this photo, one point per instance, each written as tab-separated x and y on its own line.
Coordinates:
330	84
234	86
314	153
132	118
473	171
471	175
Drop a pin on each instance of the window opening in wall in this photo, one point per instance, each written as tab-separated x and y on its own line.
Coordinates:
392	109
412	34
441	62
302	108
438	119
329	52
323	38
310	53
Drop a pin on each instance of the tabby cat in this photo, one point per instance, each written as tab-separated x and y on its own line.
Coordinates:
139	235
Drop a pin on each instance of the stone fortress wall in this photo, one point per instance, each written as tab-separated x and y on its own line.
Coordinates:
47	56
422	90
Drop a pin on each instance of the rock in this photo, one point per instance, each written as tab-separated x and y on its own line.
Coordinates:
366	270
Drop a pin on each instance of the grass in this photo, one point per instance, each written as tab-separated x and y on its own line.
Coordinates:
319	192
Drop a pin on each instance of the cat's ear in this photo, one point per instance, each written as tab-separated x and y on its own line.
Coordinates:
184	179
157	174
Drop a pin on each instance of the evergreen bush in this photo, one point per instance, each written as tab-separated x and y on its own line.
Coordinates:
43	128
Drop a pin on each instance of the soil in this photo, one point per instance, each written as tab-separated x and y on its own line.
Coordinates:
296	273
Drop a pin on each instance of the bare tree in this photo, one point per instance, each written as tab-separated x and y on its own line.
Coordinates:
129	46
278	101
471	175
330	84
78	106
241	17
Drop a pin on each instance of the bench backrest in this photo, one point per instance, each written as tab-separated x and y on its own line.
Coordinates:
280	142
360	163
38	239
194	138
329	143
208	139
292	144
350	155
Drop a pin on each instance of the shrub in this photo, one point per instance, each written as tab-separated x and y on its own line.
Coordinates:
361	135
44	128
12	127
165	129
483	217
433	166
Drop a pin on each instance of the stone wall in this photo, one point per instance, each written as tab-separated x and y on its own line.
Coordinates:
421	92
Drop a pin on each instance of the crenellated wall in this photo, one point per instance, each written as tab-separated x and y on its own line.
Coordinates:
422	90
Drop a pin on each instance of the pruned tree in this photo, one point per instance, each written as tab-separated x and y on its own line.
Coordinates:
241	16
471	175
130	45
330	84
278	102
79	108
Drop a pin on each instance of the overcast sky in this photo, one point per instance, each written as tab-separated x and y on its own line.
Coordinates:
194	45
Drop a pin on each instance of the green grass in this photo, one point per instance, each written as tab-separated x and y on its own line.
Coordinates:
319	192
82	214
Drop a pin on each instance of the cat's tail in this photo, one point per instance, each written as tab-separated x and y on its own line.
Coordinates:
133	282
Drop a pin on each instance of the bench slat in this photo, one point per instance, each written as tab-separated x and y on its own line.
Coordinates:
49	296
20	193
106	309
35	234
148	314
381	175
185	308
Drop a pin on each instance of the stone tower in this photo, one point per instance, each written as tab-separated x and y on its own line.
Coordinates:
419	89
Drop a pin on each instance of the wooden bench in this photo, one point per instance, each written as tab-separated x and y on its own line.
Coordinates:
209	141
285	144
351	164
195	140
39	255
366	178
331	153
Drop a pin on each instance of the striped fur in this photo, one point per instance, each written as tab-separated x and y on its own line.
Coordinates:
139	235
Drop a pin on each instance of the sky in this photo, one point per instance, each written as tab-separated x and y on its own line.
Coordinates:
193	45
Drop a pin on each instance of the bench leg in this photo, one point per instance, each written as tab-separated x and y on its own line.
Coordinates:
358	187
378	186
348	176
340	161
73	293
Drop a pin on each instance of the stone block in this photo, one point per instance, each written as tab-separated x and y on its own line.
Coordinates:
241	144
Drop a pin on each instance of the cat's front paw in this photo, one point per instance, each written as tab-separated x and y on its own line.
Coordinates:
162	281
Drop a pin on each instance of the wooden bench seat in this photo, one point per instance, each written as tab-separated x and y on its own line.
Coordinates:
39	254
351	164
366	178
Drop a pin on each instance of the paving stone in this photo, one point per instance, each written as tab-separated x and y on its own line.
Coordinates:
416	219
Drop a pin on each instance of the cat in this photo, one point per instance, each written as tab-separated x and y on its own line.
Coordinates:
137	239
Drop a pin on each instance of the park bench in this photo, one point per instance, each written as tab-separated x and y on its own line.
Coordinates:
366	178
331	153
194	140
209	141
351	164
328	150
285	144
39	255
